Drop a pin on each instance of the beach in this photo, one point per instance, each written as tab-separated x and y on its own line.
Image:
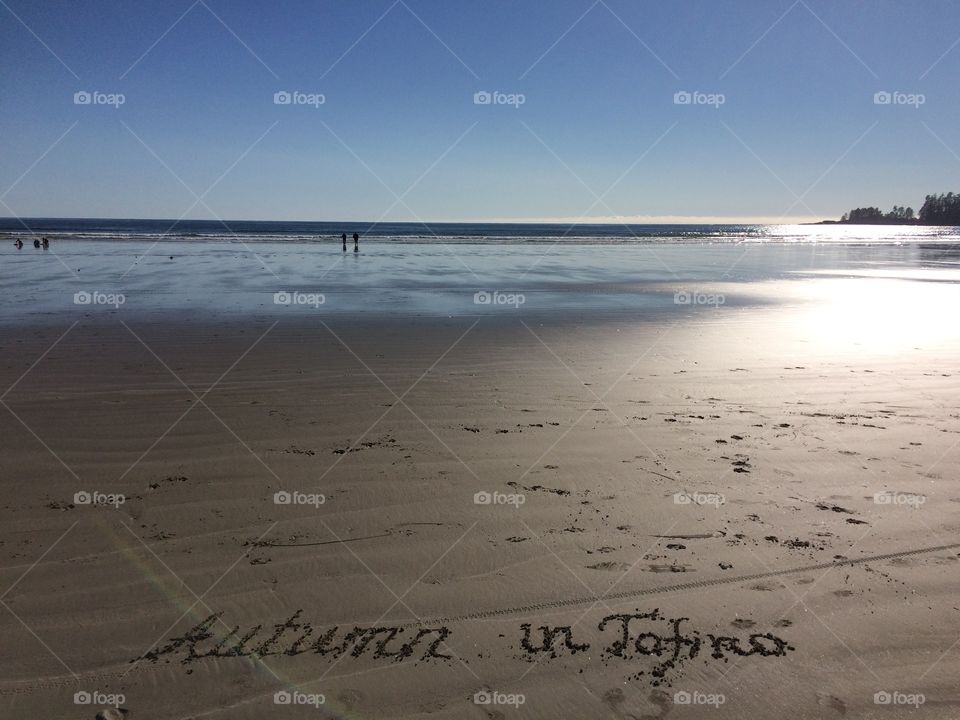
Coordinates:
695	480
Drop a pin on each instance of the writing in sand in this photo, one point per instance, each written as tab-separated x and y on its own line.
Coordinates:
623	637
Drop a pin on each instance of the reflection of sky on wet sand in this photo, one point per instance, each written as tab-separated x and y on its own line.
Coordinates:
885	296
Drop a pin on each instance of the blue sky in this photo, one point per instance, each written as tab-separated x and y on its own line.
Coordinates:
398	79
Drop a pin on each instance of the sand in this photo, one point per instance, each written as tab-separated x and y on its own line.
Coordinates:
775	584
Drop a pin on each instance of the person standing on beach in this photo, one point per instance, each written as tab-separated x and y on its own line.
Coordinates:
344	238
18	243
46	243
356	243
36	243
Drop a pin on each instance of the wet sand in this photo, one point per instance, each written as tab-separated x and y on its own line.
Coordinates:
669	502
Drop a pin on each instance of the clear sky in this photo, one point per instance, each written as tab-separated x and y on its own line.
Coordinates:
598	134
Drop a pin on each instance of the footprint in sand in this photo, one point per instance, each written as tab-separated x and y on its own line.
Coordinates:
832	702
743	623
618	566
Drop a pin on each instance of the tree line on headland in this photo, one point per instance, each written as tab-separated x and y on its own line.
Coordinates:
942	209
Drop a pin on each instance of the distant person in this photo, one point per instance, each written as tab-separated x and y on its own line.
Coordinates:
18	243
36	243
344	238
46	243
356	243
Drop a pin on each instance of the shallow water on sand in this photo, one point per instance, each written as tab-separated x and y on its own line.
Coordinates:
215	278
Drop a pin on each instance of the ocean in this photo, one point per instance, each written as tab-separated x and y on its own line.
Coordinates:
459	233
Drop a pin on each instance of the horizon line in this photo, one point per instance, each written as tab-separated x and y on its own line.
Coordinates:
600	220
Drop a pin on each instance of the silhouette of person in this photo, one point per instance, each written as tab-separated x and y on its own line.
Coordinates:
46	243
356	243
18	243
344	238
36	243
